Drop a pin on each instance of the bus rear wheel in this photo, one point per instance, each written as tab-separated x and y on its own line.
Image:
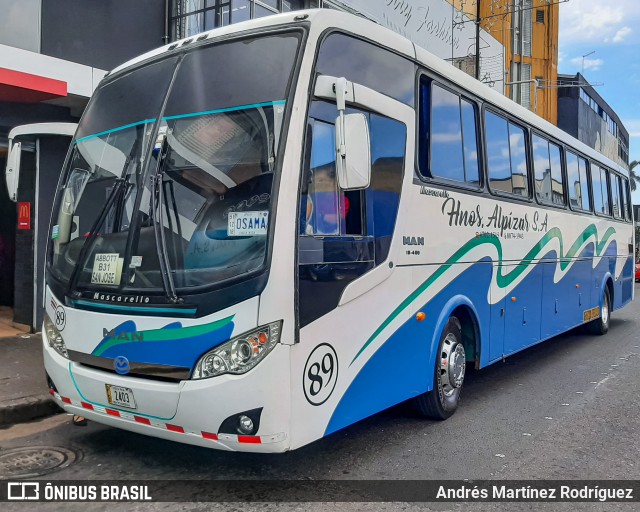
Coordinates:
442	401
600	325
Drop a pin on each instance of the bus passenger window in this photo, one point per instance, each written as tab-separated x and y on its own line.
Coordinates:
616	203
542	168
557	184
548	171
605	192
446	135
448	127
518	160
470	140
573	181
507	156
627	199
600	190
584	184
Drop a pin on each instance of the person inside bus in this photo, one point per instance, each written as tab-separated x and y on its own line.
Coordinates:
326	210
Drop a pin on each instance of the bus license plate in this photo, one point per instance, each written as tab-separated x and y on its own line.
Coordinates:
122	397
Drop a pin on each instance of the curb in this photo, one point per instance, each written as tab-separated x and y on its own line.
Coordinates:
22	410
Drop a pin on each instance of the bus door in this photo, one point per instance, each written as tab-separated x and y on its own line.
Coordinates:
345	255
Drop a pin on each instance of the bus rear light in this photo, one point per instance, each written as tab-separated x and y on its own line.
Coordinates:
239	354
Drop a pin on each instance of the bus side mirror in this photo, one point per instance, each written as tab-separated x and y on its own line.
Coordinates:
13	170
353	152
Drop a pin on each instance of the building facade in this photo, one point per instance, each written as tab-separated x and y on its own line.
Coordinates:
583	113
528	30
53	54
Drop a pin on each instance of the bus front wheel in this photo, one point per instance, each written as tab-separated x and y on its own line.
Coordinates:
442	401
600	325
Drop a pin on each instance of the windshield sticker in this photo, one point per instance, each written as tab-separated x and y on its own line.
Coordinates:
55	232
247	223
107	269
136	261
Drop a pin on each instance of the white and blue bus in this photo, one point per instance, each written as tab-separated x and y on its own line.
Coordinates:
267	232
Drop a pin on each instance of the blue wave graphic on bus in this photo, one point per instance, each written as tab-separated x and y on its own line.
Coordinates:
172	345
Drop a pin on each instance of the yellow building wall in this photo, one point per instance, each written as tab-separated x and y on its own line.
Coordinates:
496	18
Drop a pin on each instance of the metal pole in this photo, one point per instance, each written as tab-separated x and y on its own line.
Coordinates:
478	39
586	55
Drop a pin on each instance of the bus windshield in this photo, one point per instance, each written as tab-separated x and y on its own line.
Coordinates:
170	182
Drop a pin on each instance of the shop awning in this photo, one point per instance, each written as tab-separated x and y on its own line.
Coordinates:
19	87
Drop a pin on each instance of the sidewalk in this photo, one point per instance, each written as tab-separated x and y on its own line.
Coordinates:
23	388
7	327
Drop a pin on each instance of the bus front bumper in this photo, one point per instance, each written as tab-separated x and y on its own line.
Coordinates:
202	405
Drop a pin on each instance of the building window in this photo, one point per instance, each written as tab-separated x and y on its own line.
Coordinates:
623	150
521	89
593	104
539	16
522	23
189	17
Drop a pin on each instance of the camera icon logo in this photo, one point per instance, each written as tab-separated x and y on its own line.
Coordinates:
23	491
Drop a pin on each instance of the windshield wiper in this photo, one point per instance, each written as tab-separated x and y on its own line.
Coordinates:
93	233
157	200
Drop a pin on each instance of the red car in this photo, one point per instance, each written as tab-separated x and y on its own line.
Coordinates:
637	271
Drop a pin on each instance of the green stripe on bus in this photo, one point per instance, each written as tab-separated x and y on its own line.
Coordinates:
176	334
503	281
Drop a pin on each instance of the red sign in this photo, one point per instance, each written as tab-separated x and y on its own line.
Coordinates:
24	215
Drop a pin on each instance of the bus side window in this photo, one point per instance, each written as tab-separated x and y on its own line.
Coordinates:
627	198
448	135
576	199
506	155
547	164
600	186
605	191
584	184
616	203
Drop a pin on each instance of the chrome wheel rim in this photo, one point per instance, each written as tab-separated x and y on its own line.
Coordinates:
605	311
452	365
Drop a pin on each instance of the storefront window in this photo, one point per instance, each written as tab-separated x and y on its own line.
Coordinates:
189	17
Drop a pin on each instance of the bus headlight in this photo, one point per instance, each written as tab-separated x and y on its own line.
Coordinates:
56	342
239	354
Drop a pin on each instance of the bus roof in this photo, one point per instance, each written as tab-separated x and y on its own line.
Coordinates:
329	18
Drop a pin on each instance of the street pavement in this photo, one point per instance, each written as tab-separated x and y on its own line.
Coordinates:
565	409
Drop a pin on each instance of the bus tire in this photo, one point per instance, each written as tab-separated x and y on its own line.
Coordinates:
600	326
442	401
